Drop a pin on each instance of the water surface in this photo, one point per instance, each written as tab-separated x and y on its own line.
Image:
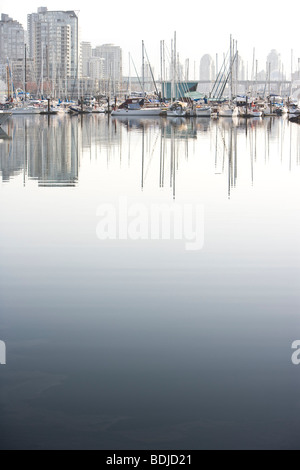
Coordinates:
143	343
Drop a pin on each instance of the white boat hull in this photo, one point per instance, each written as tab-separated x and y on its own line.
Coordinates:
228	112
203	112
250	112
176	113
26	110
295	111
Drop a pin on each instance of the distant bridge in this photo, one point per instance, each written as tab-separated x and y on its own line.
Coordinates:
281	87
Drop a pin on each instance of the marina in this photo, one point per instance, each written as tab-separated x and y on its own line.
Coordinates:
150	105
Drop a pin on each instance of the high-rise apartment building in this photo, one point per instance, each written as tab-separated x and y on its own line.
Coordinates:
85	56
96	68
11	47
53	45
207	68
112	64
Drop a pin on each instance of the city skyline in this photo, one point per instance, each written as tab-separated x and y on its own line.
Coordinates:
199	31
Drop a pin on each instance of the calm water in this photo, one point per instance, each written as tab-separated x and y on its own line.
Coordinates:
130	343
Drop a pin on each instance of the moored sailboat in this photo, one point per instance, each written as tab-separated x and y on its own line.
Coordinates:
135	106
177	109
203	111
228	111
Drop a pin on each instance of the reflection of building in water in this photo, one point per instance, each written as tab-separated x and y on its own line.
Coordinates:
53	154
98	131
12	151
43	150
146	153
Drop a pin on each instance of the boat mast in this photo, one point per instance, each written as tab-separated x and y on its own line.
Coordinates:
164	68
269	73
129	76
172	71
42	71
230	71
150	69
25	75
161	68
143	68
175	65
236	69
256	78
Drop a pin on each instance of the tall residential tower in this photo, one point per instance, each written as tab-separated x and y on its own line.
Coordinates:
11	48
53	45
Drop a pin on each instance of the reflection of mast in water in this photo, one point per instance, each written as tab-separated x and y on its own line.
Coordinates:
251	156
150	153
253	150
161	160
25	154
232	160
298	146
267	136
229	163
290	163
223	150
143	156
109	146
120	143
216	148
129	145
235	156
74	141
173	160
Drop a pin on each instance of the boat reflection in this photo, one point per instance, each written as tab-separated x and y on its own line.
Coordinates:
50	149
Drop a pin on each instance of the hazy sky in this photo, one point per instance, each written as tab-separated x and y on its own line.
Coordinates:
201	27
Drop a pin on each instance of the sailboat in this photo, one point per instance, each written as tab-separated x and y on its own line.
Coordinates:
268	110
140	104
250	111
293	109
134	106
203	111
177	109
228	111
29	109
26	107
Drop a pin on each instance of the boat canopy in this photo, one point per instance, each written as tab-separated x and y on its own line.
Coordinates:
194	95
